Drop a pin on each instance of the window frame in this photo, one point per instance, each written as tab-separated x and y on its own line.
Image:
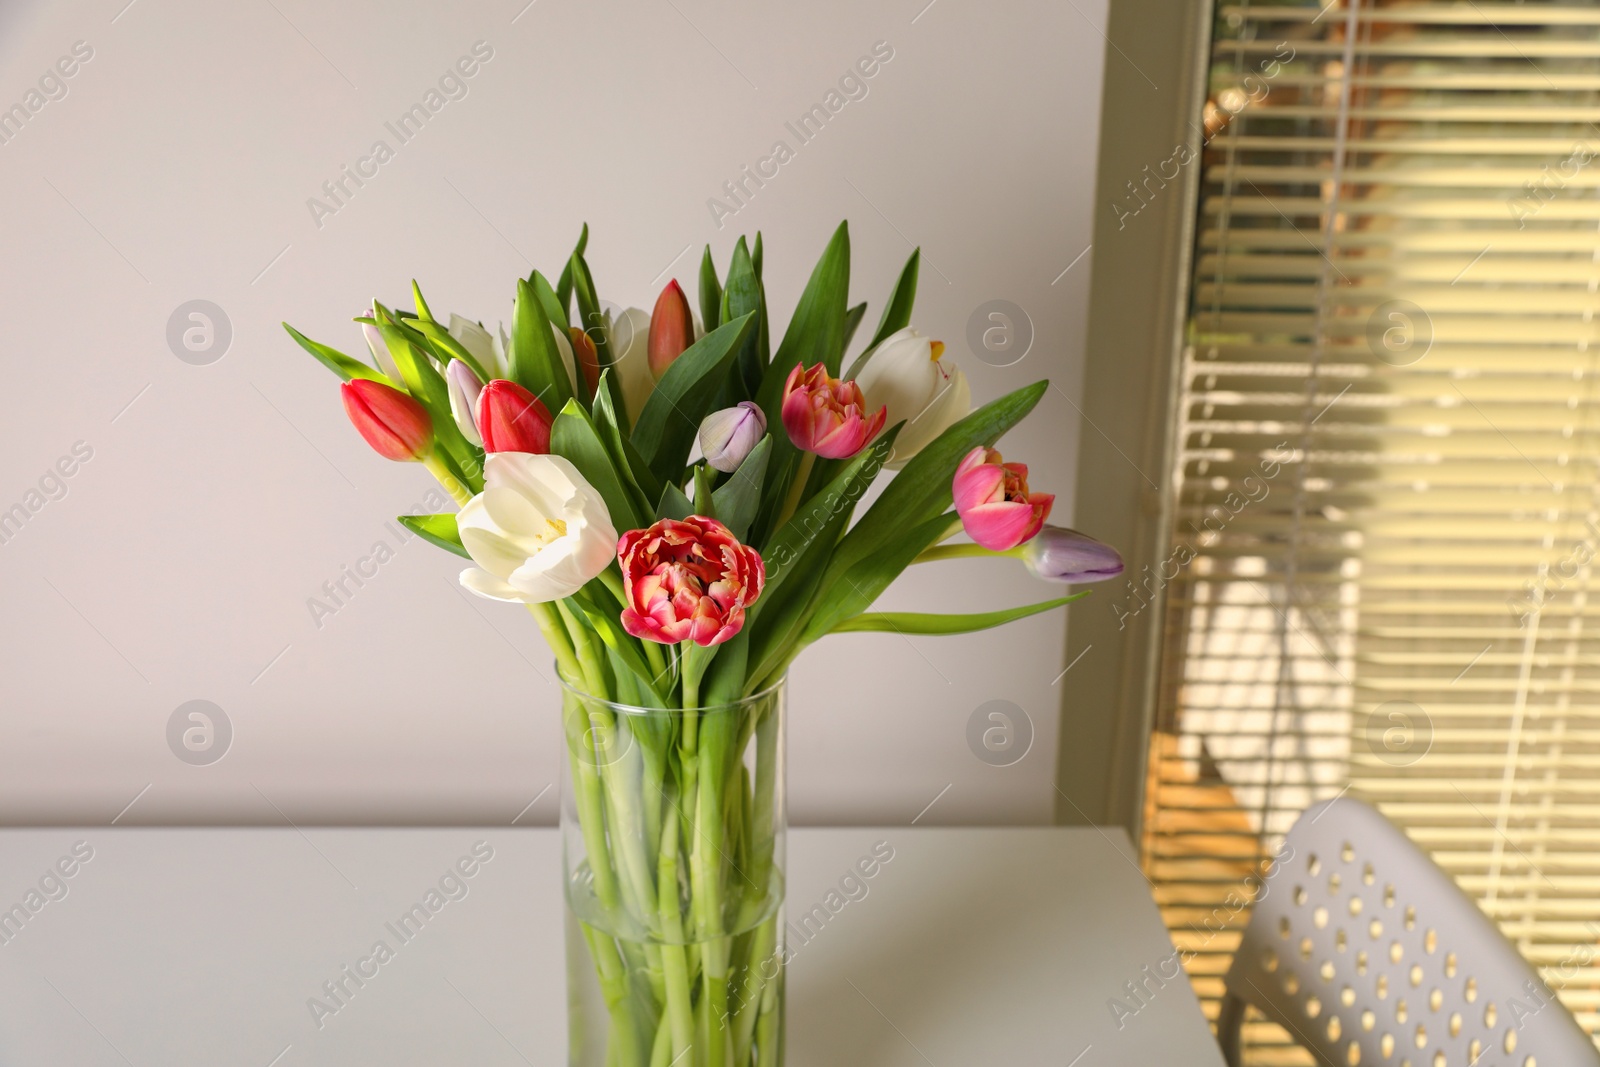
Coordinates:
1138	304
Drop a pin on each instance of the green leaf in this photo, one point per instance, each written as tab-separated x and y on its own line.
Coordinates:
724	682
856	589
645	487
673	505
816	332
564	283
423	312
745	294
710	293
424	382
852	319
342	365
535	363
755	255
705	501
574	437
897	312
553	308
667	425
590	318
447	348
625	647
737	498
909	622
799	551
438	530
921	491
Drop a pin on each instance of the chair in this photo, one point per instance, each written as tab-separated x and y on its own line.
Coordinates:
1369	954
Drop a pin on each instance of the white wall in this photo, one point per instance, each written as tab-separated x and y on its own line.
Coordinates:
220	497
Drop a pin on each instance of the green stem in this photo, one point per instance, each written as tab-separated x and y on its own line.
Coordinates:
963	551
555	635
674	956
797	490
452	485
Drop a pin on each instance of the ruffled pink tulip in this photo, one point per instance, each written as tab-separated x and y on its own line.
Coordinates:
687	580
992	498
827	416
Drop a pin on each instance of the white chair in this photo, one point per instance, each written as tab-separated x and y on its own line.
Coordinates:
1368	953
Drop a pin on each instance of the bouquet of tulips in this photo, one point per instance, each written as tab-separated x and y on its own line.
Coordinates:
673	499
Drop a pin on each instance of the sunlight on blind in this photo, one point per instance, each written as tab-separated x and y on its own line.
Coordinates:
1387	480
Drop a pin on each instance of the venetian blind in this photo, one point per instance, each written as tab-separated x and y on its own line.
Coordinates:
1386	489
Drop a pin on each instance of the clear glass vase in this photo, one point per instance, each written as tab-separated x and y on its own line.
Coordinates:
673	837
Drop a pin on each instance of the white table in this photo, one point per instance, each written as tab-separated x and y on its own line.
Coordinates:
188	946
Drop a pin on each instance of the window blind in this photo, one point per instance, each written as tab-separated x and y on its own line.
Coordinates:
1386	485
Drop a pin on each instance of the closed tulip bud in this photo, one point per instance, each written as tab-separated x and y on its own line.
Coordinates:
727	436
396	426
671	328
1058	554
511	419
379	347
465	386
587	356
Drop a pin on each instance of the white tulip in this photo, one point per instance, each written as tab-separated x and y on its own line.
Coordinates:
538	531
486	348
492	351
927	393
628	335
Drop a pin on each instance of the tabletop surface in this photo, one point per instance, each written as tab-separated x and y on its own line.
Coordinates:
211	946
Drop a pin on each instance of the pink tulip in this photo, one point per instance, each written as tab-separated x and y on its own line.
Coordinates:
687	580
992	498
827	416
396	426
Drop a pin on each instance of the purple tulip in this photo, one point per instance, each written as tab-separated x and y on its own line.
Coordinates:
727	436
1058	554
464	389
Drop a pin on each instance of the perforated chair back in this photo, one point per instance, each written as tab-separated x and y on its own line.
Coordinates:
1368	953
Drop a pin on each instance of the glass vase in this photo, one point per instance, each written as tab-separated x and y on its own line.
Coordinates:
673	841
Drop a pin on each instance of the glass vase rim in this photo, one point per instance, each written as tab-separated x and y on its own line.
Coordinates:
641	709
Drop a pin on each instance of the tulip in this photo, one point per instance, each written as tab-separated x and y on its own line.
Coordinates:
687	580
381	358
487	349
538	531
396	426
1062	555
587	356
465	388
671	328
994	503
727	436
491	352
906	376
628	334
511	419
825	415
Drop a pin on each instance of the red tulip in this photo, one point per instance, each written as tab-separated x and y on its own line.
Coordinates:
511	419
992	497
396	426
671	329
586	356
827	416
687	580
